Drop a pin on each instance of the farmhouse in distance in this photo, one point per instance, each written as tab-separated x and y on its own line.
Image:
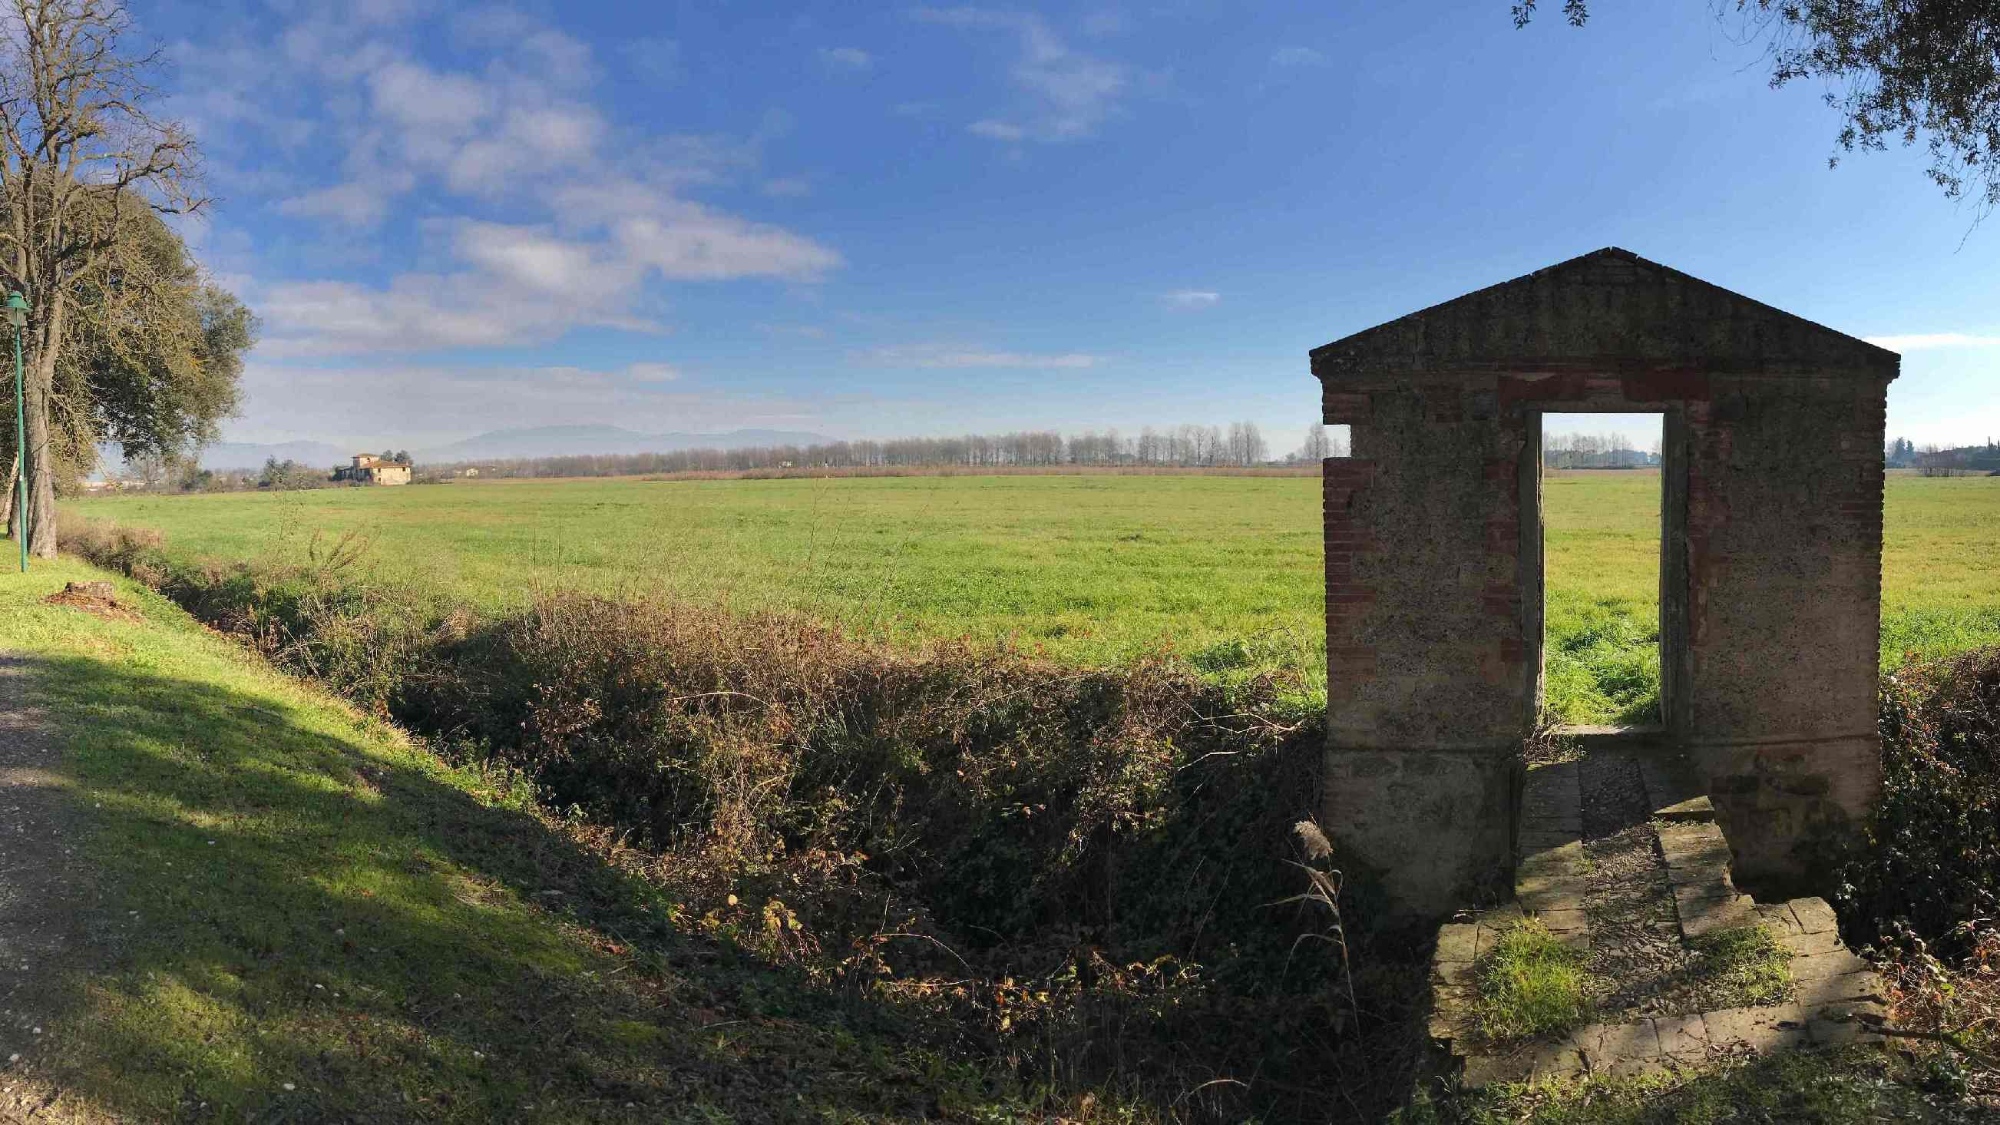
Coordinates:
372	468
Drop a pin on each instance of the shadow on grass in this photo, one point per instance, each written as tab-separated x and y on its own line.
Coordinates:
1847	1086
303	923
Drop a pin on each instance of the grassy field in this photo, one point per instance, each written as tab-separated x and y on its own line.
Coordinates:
1088	568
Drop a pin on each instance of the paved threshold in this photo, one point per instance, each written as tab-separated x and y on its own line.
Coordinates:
1620	857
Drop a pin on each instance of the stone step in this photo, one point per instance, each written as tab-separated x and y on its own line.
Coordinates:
1836	997
1673	790
1550	868
1594	739
1838	1000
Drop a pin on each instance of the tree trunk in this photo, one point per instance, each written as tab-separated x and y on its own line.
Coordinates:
41	474
7	502
41	371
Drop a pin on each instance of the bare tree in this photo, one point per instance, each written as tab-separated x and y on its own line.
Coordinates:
1256	450
81	162
1316	448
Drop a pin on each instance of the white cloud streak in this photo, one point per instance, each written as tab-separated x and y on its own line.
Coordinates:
1921	341
1297	56
594	220
1067	94
848	60
949	357
1192	298
415	402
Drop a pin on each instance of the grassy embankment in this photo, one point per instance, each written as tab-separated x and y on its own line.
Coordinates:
294	914
1093	570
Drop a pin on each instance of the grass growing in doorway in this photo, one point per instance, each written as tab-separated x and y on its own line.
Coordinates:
1742	966
1532	984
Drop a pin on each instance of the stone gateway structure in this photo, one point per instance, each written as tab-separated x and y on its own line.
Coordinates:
1770	571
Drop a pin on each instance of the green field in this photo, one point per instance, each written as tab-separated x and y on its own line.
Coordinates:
1225	570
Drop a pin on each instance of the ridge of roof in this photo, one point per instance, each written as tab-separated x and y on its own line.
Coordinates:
1537	317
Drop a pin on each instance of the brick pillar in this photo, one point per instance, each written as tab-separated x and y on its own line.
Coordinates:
1431	672
1784	518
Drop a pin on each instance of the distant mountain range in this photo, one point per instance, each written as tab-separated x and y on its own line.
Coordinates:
249	455
573	441
540	441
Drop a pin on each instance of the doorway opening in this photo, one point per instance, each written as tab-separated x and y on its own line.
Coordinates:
1601	490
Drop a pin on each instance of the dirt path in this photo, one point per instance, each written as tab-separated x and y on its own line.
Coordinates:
39	891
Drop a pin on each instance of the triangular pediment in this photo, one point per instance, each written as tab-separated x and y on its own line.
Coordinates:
1609	311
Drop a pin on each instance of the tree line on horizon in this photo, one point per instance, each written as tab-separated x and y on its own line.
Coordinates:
1238	445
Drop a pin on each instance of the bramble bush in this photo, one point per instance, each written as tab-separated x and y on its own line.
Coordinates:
1932	864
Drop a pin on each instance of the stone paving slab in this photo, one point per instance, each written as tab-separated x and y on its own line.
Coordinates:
1802	945
1703	913
1673	790
1602	1042
1457	941
1759	1029
1564	921
1838	999
1844	989
1834	963
1694	845
1814	915
1685	1036
1541	839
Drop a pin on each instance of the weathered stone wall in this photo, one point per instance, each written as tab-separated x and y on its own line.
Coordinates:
1771	537
1784	548
1435	683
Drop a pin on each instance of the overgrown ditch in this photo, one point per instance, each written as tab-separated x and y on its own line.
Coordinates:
1089	876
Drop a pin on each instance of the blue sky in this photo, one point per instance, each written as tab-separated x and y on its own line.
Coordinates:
876	220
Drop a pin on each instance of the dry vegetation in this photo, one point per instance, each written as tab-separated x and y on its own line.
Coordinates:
1092	875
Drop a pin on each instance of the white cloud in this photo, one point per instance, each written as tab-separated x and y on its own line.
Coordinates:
656	59
523	284
594	219
1192	298
652	372
1068	94
355	204
411	404
851	60
1928	341
424	101
525	140
534	260
787	187
945	356
685	241
1297	56
998	130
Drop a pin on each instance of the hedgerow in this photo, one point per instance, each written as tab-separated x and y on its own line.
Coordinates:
1932	865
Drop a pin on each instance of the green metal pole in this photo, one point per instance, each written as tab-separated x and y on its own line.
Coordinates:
21	451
